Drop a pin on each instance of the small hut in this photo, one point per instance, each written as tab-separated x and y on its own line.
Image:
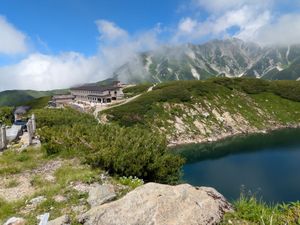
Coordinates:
20	112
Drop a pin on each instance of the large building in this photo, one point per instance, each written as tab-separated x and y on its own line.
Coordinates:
98	94
61	100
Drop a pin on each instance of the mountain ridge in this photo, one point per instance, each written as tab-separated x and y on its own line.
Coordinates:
19	97
229	57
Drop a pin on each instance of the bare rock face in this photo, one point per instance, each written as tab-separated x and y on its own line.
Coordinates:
157	204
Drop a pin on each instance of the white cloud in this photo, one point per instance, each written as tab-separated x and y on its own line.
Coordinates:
252	20
109	31
284	31
249	30
12	41
247	16
244	19
217	6
116	50
187	25
44	72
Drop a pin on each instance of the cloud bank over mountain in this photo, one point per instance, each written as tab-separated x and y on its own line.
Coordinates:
250	20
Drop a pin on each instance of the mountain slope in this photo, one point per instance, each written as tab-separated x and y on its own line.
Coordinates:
19	97
230	57
199	111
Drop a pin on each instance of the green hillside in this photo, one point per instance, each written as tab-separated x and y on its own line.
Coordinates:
19	97
197	111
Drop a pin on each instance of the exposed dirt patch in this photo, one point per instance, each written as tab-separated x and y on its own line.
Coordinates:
23	181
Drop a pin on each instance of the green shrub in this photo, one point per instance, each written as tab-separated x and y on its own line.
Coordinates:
247	85
121	151
60	117
287	89
132	182
38	103
6	115
134	112
137	89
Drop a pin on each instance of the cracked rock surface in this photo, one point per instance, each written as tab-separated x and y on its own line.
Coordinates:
159	204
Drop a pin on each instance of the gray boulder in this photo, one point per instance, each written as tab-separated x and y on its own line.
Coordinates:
36	201
101	194
157	204
15	221
63	220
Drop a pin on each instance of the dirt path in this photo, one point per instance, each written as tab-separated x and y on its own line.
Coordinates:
99	109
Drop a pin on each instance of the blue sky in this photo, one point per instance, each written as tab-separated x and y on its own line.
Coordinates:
69	25
58	43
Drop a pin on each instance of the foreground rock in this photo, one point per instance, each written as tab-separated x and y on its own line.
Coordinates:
101	194
158	204
15	221
63	220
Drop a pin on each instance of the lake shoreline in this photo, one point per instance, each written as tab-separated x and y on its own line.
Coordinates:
265	165
224	136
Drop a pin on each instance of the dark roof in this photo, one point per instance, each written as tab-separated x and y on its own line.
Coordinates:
95	88
22	109
63	97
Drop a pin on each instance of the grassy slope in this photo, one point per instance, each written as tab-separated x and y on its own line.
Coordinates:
19	97
38	103
250	211
203	110
135	90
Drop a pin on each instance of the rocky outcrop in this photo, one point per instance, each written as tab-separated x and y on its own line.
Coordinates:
158	204
212	120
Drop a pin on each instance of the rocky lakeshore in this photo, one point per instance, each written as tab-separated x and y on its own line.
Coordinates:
183	140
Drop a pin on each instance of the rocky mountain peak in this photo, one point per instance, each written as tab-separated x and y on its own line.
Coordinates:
230	57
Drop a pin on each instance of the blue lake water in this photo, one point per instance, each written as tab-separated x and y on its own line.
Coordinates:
267	165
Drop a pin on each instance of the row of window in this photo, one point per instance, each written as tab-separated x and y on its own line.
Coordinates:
92	92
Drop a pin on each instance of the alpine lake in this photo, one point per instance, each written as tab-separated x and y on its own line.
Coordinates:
264	165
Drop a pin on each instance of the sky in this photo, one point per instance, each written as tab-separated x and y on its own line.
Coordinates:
51	44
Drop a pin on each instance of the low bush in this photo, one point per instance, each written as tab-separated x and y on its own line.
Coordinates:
121	151
38	103
6	115
132	182
60	117
137	89
287	89
247	85
134	112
